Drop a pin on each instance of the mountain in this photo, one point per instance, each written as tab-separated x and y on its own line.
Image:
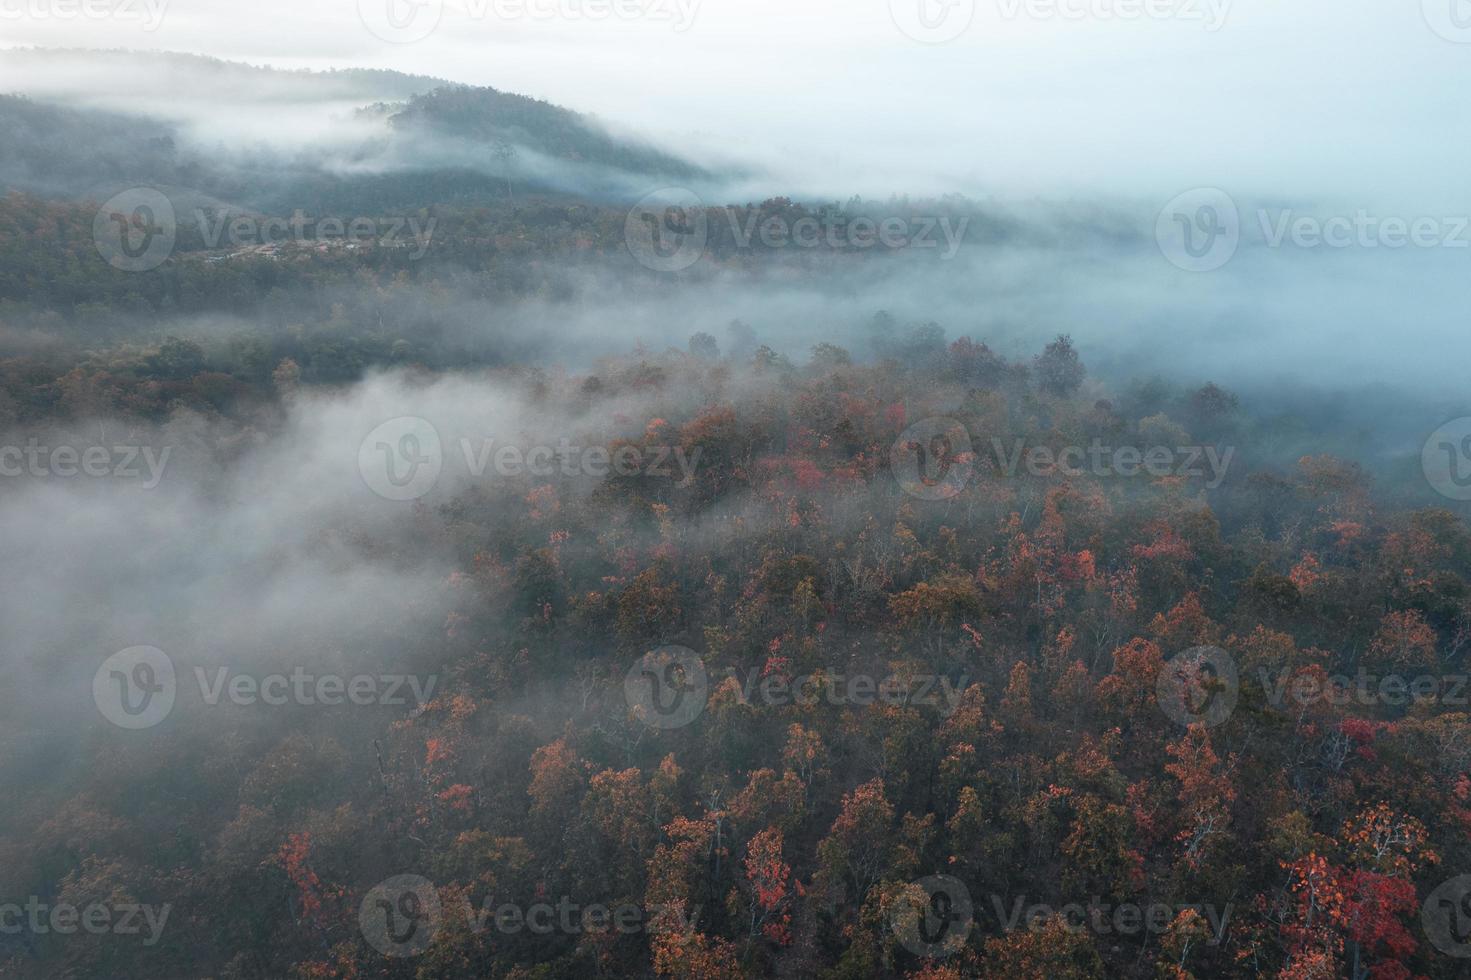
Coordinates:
72	75
260	138
487	118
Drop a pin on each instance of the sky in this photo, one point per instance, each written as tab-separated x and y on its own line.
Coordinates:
1331	109
1347	102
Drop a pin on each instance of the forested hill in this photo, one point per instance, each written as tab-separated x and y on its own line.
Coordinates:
340	140
68	68
488	116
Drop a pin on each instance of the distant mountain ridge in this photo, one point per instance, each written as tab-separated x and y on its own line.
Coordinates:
369	84
487	115
410	142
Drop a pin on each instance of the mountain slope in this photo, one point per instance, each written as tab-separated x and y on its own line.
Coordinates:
264	139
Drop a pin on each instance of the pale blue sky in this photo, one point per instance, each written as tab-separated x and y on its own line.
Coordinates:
1357	102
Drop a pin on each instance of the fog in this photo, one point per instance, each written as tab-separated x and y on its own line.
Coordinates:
1316	99
265	138
318	456
260	547
1275	317
1020	114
